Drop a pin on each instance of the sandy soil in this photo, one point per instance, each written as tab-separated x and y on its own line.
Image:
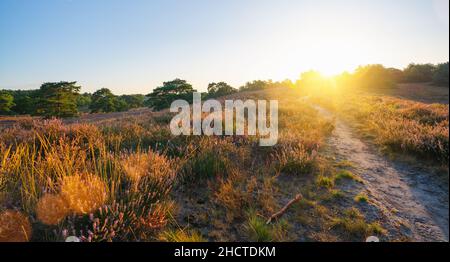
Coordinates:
411	198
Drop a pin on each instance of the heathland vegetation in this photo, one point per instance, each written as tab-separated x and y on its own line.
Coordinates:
63	99
127	178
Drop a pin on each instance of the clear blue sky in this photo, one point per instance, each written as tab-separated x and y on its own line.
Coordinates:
133	46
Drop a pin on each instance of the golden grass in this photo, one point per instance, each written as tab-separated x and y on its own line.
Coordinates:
181	236
62	174
397	124
14	227
118	179
83	193
138	165
51	209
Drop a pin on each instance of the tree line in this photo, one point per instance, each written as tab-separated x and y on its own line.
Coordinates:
63	99
364	77
377	76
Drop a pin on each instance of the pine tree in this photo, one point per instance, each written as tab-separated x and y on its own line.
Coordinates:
58	99
163	96
6	102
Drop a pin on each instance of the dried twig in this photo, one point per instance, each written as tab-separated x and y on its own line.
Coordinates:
284	209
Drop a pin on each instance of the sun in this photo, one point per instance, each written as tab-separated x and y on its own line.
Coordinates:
330	71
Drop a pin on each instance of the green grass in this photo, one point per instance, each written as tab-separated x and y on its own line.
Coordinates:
326	182
355	227
337	194
181	236
344	174
204	166
361	198
257	229
376	228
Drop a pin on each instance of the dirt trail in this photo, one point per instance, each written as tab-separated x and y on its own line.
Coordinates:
409	197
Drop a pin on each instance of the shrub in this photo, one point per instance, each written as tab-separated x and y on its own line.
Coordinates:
373	77
163	96
440	77
419	73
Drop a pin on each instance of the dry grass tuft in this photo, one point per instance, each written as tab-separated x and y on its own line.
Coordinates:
138	165
295	160
51	209
181	235
14	227
84	193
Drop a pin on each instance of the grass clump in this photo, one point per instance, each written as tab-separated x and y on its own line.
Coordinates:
376	228
324	181
354	225
209	158
295	160
83	193
257	228
361	198
259	231
181	235
337	194
205	166
344	174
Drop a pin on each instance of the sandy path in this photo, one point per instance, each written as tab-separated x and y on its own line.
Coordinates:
408	196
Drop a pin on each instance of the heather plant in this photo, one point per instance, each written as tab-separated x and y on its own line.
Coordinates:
124	221
401	125
70	180
123	179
